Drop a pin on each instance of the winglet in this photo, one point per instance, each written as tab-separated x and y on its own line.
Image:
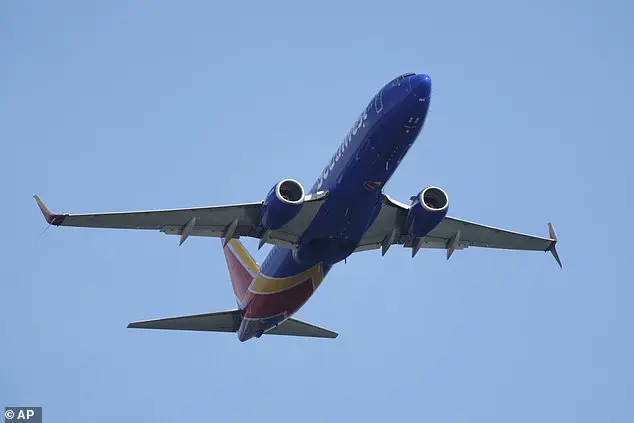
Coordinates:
553	242
51	218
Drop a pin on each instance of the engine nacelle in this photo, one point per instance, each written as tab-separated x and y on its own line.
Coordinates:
282	204
429	208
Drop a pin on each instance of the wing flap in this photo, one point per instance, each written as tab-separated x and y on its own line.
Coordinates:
296	327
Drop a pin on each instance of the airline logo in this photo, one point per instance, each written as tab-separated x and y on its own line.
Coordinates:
344	145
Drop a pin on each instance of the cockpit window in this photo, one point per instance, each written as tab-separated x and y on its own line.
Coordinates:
398	80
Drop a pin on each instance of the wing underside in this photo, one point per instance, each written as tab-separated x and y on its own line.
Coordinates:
231	221
450	234
234	221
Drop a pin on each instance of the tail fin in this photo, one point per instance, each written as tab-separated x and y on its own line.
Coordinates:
242	268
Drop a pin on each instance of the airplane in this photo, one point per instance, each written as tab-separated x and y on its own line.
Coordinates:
344	212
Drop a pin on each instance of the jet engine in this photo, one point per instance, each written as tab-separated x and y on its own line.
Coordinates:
429	208
282	204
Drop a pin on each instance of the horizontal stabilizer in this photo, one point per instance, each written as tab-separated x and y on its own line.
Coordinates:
229	321
295	327
222	321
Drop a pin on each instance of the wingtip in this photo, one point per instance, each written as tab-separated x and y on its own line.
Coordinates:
553	251
51	218
553	243
45	210
551	231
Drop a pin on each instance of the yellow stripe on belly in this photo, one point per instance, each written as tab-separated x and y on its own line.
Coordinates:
263	284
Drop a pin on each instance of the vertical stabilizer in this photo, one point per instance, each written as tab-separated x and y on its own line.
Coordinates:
242	268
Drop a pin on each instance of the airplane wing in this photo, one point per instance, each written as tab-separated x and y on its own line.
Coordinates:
231	221
450	234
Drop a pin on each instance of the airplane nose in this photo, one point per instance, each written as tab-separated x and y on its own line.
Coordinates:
421	85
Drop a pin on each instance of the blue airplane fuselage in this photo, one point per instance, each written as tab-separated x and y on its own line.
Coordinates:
354	177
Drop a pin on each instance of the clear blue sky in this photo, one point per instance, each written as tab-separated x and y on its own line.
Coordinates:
120	105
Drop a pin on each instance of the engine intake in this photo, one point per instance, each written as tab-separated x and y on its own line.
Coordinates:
282	204
429	208
434	199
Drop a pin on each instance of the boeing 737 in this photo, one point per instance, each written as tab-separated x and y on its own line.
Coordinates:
345	212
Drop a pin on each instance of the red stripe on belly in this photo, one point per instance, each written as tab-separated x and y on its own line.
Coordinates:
266	305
